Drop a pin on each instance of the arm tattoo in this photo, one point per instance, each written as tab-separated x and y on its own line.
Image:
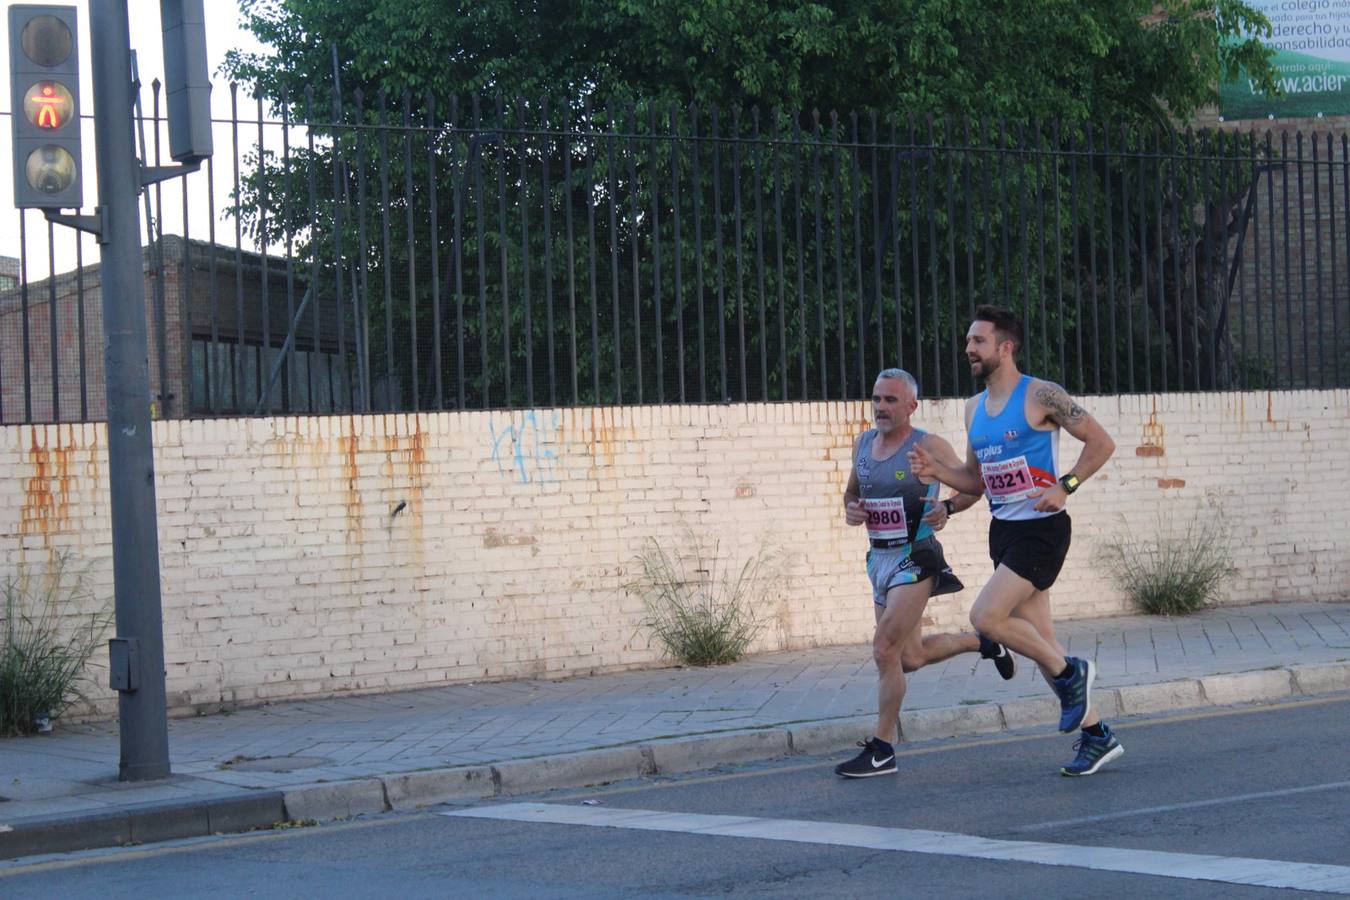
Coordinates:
1063	409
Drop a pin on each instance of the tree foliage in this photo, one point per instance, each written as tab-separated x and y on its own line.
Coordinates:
1126	61
591	68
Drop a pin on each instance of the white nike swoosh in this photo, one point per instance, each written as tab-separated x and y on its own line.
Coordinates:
878	764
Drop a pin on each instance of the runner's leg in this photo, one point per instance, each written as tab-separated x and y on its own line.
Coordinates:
992	616
901	617
1037	611
922	649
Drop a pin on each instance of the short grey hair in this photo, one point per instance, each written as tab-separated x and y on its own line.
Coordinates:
903	376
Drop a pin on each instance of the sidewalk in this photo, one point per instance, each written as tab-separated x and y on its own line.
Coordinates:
329	758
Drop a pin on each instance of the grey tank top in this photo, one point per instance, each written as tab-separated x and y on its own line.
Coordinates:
892	495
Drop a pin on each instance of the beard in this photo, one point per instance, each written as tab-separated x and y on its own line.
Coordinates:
983	369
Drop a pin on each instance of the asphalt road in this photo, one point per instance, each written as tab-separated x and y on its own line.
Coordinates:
1199	806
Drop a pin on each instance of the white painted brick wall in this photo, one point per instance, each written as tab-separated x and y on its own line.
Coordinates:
286	572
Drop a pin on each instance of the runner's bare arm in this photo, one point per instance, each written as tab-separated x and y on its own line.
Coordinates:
1057	406
963	502
853	511
1051	403
963	477
937	511
942	454
953	473
972	461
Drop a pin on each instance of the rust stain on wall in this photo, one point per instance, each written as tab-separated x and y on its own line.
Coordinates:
91	467
351	476
384	458
842	430
1152	443
604	434
46	501
410	444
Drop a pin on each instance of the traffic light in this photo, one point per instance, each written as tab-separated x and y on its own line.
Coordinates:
44	76
187	84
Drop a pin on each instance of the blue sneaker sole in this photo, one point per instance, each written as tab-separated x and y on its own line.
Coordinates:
1115	752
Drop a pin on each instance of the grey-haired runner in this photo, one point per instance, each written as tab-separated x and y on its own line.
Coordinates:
905	563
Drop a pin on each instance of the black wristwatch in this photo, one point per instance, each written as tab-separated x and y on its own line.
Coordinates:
1069	482
949	506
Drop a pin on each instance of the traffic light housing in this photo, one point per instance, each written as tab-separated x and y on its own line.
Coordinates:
187	84
44	77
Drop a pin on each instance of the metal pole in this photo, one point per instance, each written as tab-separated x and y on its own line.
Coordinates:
135	543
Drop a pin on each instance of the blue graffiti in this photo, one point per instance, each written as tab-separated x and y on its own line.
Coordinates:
529	454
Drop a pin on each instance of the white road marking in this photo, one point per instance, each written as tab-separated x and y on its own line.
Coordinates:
1174	807
1229	870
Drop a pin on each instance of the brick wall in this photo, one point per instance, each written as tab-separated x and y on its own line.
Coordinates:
316	556
214	283
81	387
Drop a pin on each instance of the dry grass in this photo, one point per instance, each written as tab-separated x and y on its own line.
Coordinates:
1177	573
44	649
706	610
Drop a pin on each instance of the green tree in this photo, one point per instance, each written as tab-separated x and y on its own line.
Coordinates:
1126	61
1137	67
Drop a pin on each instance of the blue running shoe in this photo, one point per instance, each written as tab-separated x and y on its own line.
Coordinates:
1075	693
1093	753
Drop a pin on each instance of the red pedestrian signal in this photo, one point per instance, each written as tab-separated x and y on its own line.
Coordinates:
48	105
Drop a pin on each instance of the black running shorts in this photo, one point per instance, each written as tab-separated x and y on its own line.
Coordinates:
1033	548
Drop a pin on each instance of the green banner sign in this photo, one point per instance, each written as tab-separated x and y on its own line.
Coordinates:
1311	40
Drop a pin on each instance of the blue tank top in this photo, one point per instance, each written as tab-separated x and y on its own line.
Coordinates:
1014	457
892	495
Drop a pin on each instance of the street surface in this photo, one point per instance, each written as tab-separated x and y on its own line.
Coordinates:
1235	803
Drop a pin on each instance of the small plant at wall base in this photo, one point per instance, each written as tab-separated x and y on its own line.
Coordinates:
703	610
45	644
1174	571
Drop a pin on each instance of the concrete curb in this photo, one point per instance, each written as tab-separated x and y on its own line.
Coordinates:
426	788
691	754
141	823
334	799
410	790
526	776
815	738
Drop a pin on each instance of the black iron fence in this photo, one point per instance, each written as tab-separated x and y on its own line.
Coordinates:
397	254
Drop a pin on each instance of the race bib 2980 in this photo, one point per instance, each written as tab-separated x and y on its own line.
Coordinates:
886	518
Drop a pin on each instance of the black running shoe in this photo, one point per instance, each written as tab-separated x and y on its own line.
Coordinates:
1093	753
1003	659
877	758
